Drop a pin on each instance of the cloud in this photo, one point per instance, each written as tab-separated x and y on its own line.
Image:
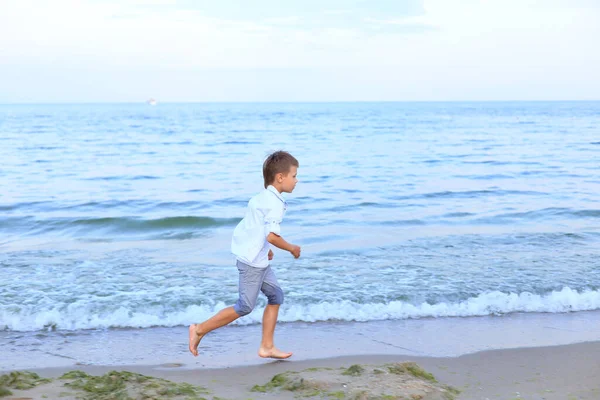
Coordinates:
73	32
428	48
515	32
176	34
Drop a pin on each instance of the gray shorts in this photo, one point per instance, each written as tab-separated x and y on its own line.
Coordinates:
253	280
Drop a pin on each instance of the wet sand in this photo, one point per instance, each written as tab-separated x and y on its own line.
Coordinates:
520	356
555	372
237	345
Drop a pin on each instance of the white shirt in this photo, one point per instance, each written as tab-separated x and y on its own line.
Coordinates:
264	215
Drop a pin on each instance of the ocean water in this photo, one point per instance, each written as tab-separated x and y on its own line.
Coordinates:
120	215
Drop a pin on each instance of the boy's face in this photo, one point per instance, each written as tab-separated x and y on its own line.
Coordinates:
288	181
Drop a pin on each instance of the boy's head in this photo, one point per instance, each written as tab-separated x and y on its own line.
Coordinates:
279	170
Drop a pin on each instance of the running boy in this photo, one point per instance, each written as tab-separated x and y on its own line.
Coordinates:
251	244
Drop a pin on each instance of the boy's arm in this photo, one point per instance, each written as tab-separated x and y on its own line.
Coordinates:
281	243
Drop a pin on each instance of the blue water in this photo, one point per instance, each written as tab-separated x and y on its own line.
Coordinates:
120	215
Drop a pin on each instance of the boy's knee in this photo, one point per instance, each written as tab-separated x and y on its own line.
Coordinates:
242	308
275	296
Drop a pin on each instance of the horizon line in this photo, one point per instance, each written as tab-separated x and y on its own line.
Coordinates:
289	101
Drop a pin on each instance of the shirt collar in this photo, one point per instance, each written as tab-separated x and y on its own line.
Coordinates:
272	189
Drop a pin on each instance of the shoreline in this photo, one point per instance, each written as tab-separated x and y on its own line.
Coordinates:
234	346
552	372
518	356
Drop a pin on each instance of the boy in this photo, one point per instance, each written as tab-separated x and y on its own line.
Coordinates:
251	244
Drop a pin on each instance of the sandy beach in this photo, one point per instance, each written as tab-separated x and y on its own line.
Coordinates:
556	372
519	356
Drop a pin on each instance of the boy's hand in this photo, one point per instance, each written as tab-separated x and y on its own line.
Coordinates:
270	255
280	243
295	251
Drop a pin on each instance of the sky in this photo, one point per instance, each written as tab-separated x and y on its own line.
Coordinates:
298	50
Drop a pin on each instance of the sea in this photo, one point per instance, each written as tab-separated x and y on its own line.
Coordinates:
116	219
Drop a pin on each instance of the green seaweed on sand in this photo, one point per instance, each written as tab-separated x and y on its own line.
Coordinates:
21	380
451	393
74	375
386	382
118	385
291	382
277	381
412	369
354	370
315	369
4	391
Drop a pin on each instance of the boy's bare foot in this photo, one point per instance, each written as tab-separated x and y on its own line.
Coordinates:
273	352
195	339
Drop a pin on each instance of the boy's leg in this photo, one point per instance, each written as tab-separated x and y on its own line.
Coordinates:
197	331
272	290
250	280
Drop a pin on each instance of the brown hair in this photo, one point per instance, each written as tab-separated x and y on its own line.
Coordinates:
278	162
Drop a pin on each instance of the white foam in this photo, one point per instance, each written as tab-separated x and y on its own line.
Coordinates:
77	316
